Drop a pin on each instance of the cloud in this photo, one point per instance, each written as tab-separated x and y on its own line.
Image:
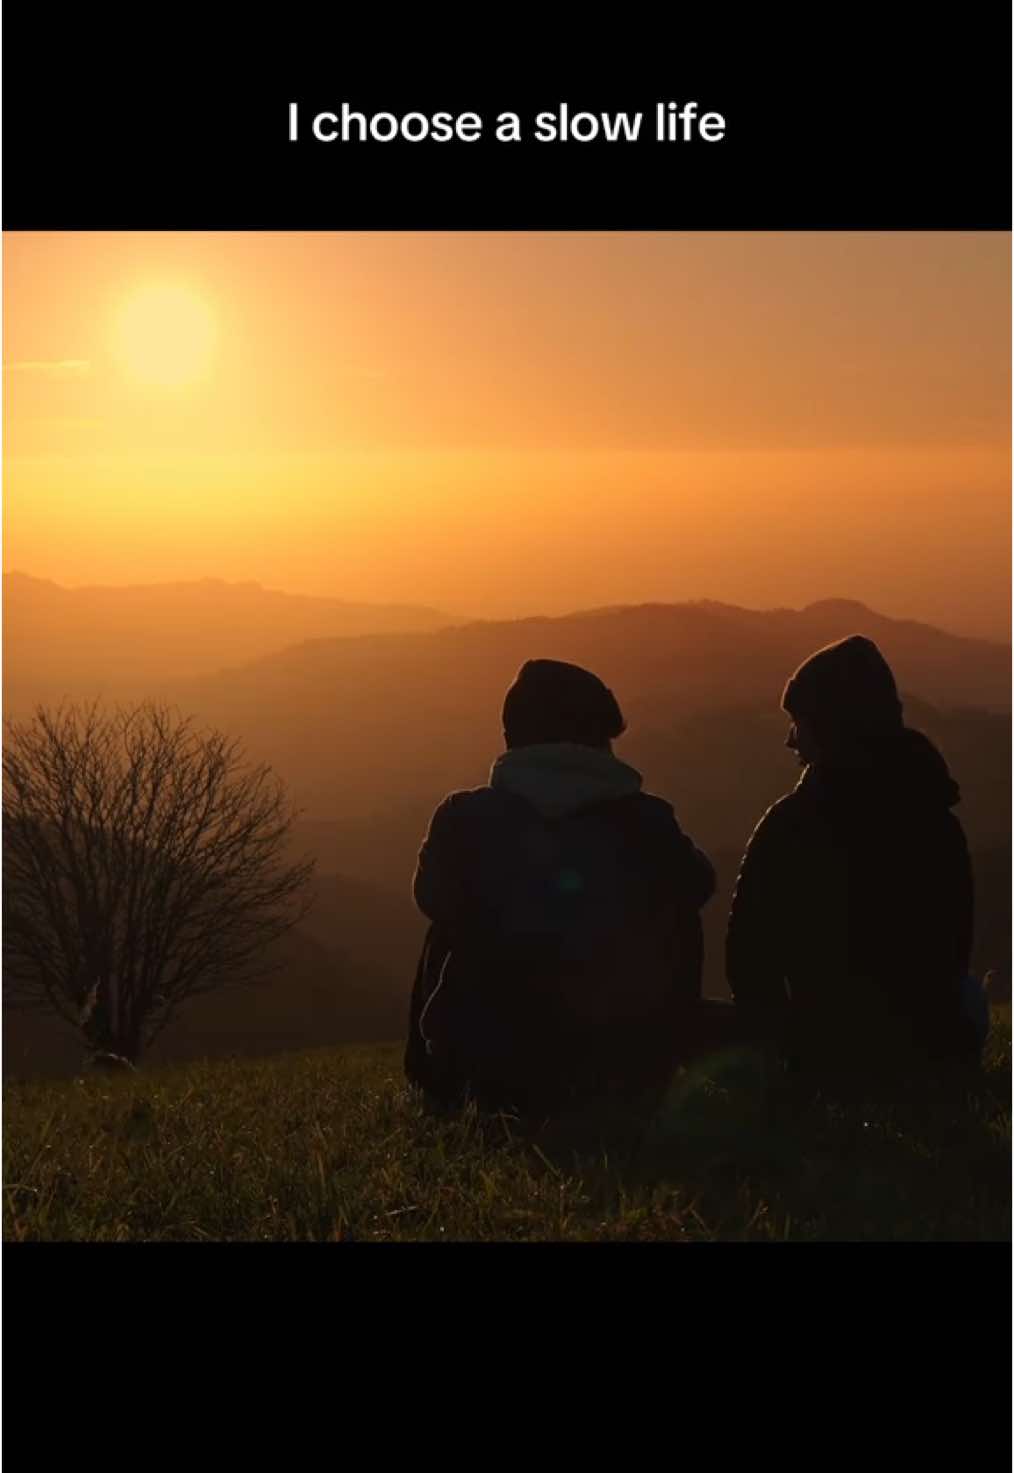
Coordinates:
51	368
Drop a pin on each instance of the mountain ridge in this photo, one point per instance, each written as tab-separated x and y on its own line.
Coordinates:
100	639
16	577
833	618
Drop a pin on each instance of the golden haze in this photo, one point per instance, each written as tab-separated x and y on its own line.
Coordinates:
515	423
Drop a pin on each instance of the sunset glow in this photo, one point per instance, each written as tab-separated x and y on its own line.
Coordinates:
164	335
508	424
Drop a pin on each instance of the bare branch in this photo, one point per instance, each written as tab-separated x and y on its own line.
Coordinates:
145	862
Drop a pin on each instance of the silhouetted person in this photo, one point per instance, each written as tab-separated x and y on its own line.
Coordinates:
851	924
564	900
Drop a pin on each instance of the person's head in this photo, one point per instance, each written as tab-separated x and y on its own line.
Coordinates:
551	701
844	704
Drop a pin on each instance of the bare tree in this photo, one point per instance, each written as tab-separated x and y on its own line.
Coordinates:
144	862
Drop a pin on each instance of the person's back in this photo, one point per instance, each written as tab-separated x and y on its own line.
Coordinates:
851	925
564	905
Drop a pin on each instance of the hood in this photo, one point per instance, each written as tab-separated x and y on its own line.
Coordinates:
848	692
907	771
558	778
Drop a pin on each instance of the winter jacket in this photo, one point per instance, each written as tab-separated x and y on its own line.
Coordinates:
564	903
851	923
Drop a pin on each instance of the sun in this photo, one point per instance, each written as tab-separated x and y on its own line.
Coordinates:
164	336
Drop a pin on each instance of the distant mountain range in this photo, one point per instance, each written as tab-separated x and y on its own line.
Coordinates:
77	640
134	639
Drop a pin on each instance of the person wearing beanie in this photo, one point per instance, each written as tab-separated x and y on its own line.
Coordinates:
564	906
850	930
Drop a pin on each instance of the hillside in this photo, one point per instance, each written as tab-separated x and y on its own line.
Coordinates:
331	1146
117	640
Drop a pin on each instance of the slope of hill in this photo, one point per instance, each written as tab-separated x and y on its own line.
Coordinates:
118	640
331	1146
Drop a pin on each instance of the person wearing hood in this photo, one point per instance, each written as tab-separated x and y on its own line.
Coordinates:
850	930
564	903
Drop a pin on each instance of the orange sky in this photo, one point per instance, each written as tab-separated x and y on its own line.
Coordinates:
517	423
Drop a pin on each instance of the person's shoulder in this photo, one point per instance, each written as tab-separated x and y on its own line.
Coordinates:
789	805
463	803
654	811
653	804
785	813
954	828
657	819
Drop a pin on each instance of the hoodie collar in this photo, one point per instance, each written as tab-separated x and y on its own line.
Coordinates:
558	778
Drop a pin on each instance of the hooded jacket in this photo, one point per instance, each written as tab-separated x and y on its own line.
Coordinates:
851	921
564	905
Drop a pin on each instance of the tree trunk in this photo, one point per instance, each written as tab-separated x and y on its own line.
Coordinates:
108	1033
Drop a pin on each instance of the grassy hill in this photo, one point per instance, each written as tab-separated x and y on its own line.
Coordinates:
331	1145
